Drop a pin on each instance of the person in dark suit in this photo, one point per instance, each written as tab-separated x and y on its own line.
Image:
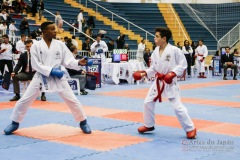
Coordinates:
25	74
227	62
81	74
146	56
86	46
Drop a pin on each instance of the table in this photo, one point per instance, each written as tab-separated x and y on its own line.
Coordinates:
117	71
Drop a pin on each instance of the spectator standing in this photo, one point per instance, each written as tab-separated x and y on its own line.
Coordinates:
147	56
201	53
80	20
20	45
3	28
99	47
140	50
59	22
6	55
187	50
40	9
34	7
24	26
12	30
120	41
110	45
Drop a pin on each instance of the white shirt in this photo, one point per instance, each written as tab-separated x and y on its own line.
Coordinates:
140	50
44	58
12	27
74	42
172	59
190	51
6	55
201	51
4	16
80	17
101	45
20	46
3	28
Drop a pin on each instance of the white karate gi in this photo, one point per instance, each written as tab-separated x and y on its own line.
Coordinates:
43	59
12	30
200	52
172	59
79	19
140	50
103	46
20	46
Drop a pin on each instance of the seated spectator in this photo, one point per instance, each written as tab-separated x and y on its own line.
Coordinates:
227	62
69	43
81	75
89	32
74	42
236	52
24	26
126	47
86	45
25	74
65	40
146	56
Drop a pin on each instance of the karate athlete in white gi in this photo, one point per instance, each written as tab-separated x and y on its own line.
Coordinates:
201	52
99	47
47	57
140	50
167	62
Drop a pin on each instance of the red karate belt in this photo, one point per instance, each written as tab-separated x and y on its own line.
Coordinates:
200	55
160	77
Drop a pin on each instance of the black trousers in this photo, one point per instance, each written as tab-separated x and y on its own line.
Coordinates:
189	63
22	76
9	64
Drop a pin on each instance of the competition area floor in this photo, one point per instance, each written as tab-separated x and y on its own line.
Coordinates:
49	131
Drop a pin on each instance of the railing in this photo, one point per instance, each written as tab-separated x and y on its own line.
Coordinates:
180	29
74	28
113	14
231	38
131	54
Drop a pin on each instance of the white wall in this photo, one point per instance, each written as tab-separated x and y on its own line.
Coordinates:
174	1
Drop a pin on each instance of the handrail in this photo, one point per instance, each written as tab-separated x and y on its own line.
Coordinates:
229	32
97	5
71	26
178	21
